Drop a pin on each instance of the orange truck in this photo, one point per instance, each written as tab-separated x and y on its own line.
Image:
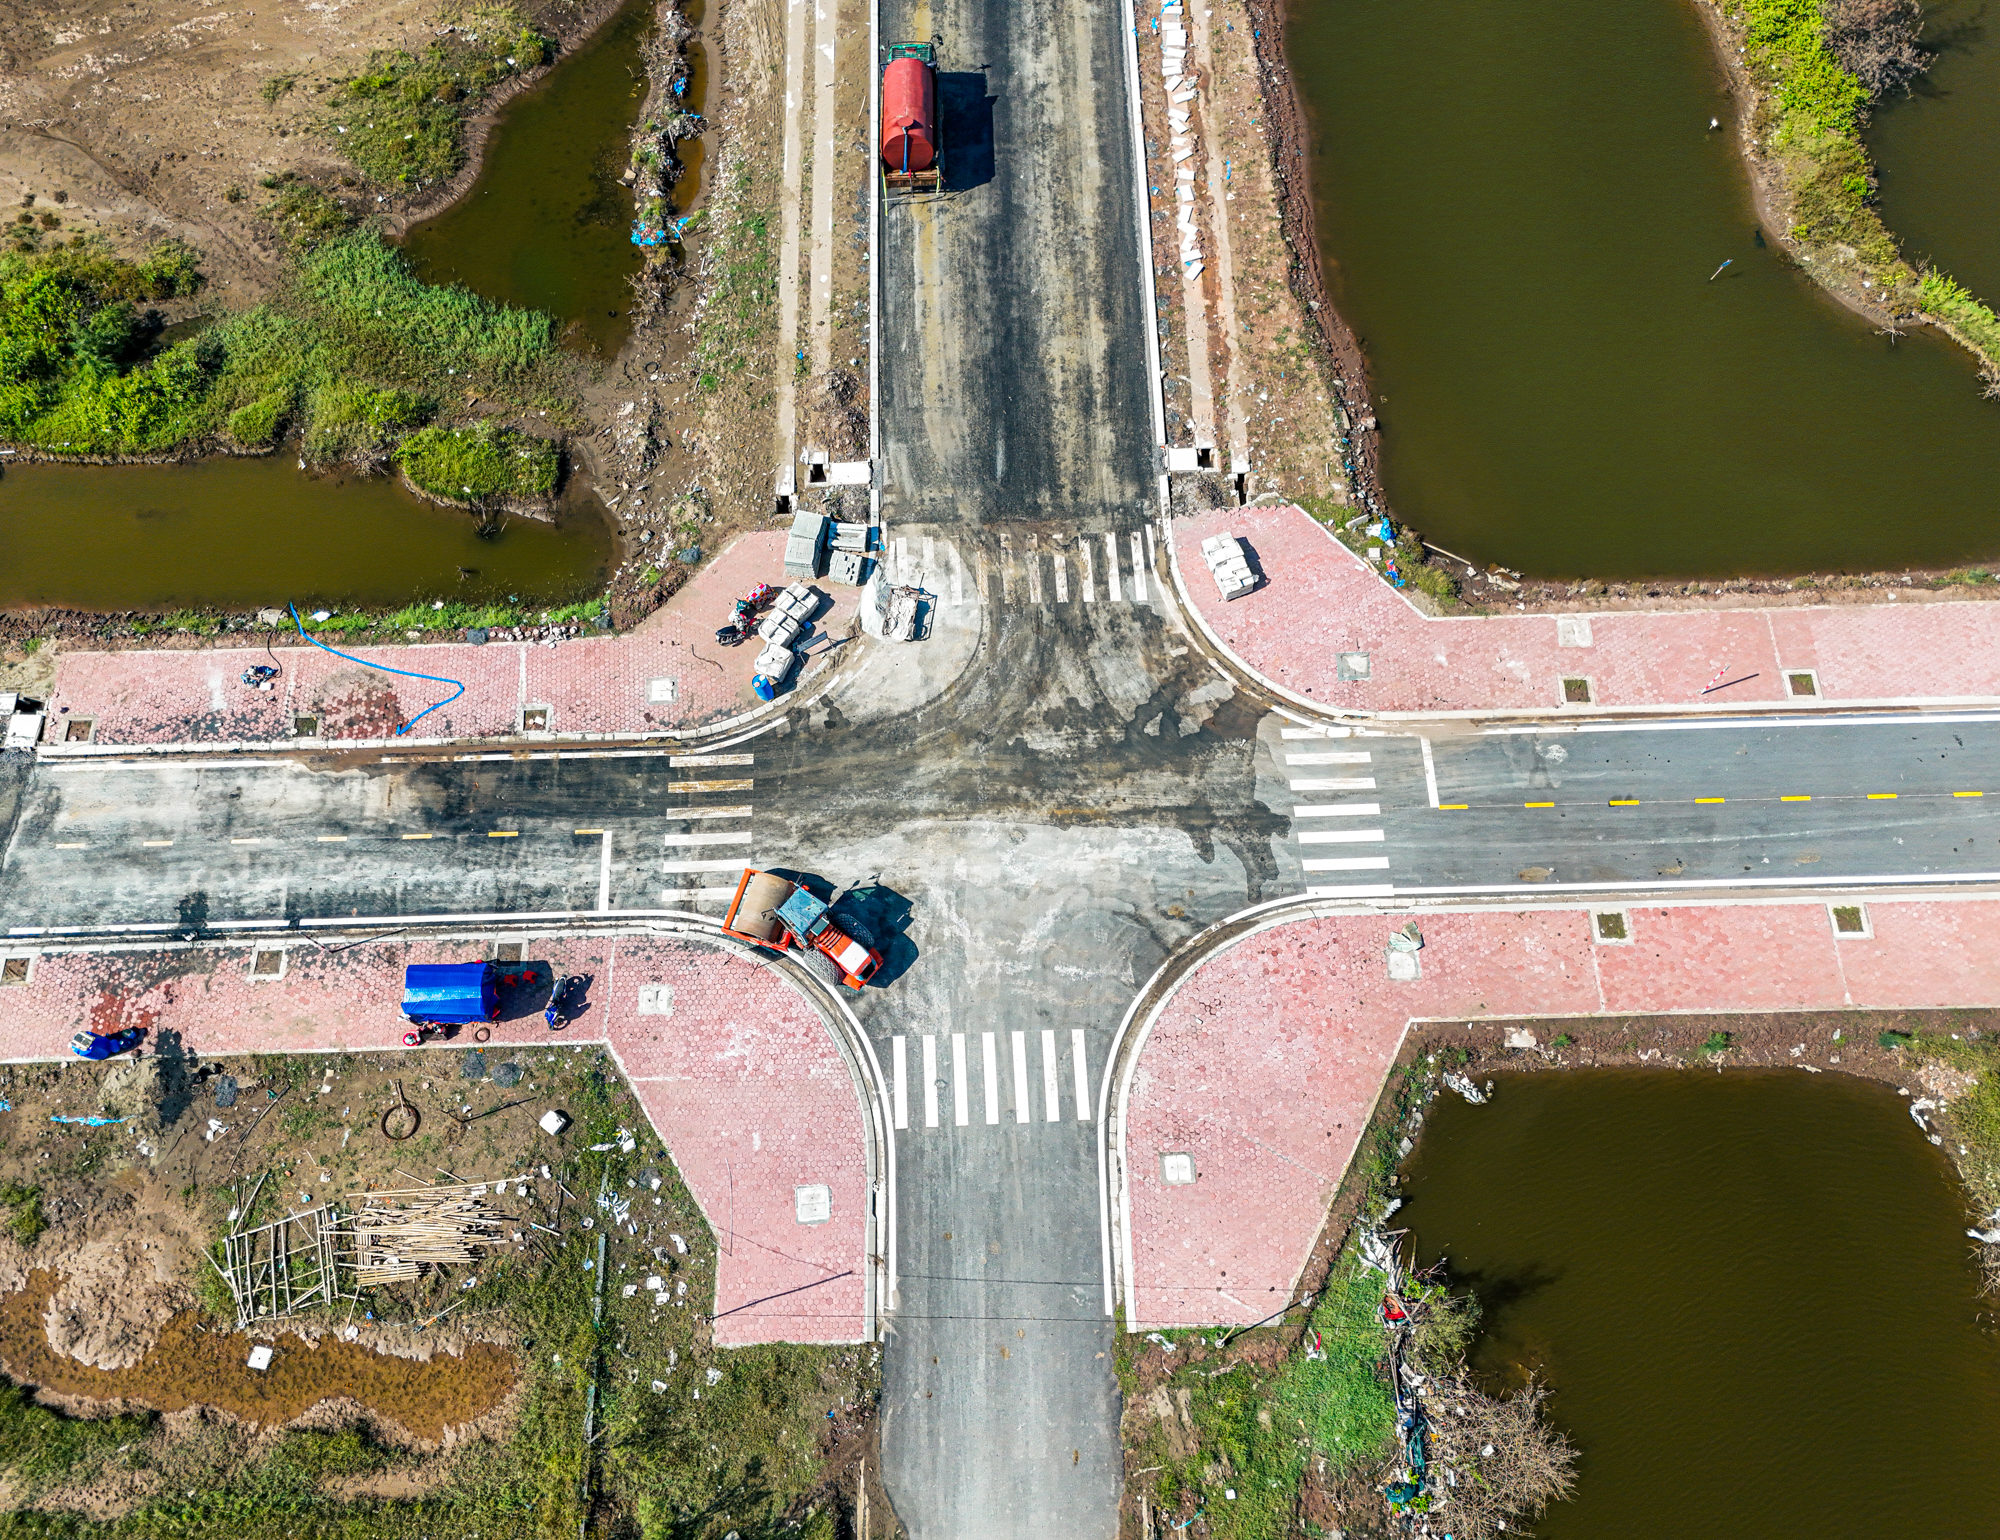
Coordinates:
773	911
909	118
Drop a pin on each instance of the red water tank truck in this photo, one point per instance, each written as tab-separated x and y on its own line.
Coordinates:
909	119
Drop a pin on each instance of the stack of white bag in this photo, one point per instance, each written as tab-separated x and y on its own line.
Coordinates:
1180	92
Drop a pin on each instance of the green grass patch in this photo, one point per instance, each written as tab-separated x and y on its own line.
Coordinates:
1717	1042
484	460
25	1219
402	119
39	1444
1950	301
742	275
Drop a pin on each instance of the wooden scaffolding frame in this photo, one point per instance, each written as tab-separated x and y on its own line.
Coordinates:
278	1269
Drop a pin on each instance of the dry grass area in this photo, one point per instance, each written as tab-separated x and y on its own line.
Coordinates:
458	1403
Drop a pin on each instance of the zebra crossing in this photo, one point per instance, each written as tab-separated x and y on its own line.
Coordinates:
708	842
989	1075
1027	567
1325	814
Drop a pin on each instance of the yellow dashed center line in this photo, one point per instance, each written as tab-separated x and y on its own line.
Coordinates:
503	834
1452	807
587	831
1881	796
419	836
1795	799
1538	804
1623	802
332	839
1968	794
1701	800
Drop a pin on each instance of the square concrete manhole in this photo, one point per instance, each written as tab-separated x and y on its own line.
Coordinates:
1611	927
510	951
534	719
1576	691
1176	1168
1354	666
663	692
268	964
1850	921
813	1203
1404	967
1802	683
305	727
14	970
77	729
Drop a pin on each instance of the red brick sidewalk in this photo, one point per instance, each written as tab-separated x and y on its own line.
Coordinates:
1320	599
667	675
742	1080
1266	1062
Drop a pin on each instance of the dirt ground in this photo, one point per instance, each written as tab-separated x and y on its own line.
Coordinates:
113	1307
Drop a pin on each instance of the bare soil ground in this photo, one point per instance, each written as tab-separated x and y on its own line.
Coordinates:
112	1307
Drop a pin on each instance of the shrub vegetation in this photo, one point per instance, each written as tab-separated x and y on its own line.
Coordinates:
485	460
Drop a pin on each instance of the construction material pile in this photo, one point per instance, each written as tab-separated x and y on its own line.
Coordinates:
397	1236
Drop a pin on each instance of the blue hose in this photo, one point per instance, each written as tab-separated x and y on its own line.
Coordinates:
457	687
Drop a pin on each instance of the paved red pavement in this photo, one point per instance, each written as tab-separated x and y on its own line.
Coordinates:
1320	599
742	1080
1266	1063
666	675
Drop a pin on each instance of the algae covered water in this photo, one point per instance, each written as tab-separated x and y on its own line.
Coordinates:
548	223
1750	1293
238	533
1521	206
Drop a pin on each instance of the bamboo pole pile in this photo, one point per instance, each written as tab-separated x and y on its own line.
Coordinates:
399	1235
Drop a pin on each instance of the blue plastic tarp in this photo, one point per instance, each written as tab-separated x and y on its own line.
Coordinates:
450	992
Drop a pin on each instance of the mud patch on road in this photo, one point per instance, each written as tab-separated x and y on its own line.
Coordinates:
190	1365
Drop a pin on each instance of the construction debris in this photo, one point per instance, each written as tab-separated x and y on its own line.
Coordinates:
396	1236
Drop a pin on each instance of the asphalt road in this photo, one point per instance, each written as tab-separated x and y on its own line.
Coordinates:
1660	807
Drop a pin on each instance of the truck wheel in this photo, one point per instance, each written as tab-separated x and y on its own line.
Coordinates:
822	967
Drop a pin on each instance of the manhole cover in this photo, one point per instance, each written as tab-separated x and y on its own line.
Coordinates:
473	1067
225	1091
506	1074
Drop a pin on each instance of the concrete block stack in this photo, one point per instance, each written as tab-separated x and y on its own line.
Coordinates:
1180	79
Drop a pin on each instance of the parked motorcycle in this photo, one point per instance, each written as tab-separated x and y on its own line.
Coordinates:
564	1001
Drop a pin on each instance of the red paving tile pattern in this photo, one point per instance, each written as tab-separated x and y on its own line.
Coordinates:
588	684
1267	1061
741	1079
1320	599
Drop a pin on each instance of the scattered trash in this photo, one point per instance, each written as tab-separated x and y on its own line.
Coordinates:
553	1122
1917	1110
260	1358
1315	1346
658	1386
715	1376
92	1122
1464	1086
679	1245
656	1283
1520	1037
1408	939
1153	1336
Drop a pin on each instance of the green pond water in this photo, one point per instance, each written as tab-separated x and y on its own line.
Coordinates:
1938	150
1750	1294
549	224
1520	206
239	533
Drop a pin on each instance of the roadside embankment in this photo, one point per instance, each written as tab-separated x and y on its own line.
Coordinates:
1809	71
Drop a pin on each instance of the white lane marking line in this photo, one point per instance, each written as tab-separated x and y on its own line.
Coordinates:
683	814
1006	561
957	578
1138	570
930	1079
899	1057
1111	567
684	761
1430	771
1353	890
1340	836
1062	577
246	839
1152	553
725	837
989	1054
698	895
162	844
1348	864
710	785
604	876
1051	1096
60	766
1089	572
1034	571
1022	1114
1076	1059
702	866
960	1091
1337	810
1315	732
1344	757
1336	783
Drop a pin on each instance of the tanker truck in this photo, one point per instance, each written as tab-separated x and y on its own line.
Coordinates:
909	119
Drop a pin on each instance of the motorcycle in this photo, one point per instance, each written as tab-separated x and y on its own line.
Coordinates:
563	1001
421	1033
743	622
260	677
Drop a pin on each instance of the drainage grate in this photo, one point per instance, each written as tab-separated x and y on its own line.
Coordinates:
77	729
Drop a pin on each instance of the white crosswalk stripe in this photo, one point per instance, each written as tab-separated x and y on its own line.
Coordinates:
1004	1080
1321	823
1033	568
703	862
